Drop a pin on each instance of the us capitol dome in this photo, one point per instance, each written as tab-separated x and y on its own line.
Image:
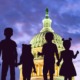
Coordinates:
39	39
37	42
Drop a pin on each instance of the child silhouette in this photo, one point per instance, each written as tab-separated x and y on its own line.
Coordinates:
67	69
9	54
26	60
48	51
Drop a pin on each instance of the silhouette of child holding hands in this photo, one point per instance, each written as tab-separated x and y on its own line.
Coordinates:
26	60
67	69
9	54
48	51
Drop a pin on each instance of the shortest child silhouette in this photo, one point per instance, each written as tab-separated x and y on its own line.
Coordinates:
67	69
26	60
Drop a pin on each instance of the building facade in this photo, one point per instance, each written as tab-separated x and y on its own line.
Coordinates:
37	43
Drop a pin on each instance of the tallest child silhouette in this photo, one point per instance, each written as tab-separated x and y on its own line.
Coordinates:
9	54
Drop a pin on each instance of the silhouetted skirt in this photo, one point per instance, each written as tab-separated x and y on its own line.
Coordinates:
67	69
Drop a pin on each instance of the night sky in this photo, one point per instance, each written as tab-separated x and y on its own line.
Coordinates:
25	17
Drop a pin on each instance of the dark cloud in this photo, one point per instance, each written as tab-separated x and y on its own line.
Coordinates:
31	14
68	19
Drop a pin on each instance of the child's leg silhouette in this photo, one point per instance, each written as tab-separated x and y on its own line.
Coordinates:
4	71
70	78
51	72
51	75
45	73
29	77
24	78
45	76
65	78
29	74
12	72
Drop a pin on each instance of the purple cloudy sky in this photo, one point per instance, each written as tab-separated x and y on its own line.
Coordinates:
25	17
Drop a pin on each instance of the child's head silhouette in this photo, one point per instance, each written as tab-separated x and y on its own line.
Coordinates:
67	43
8	32
49	36
26	48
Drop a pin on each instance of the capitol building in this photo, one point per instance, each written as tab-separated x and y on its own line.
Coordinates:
37	42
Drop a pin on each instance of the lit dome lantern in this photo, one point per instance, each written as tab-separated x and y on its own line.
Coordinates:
39	39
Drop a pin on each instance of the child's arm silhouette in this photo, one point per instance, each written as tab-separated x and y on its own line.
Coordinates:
33	65
0	53
20	61
34	68
40	54
43	51
76	54
15	51
56	51
0	48
0	56
58	63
